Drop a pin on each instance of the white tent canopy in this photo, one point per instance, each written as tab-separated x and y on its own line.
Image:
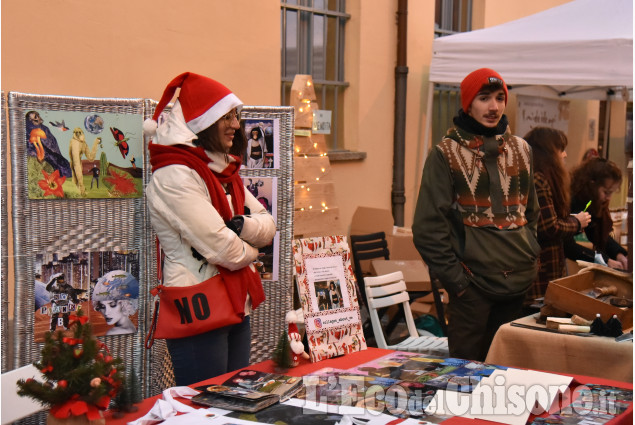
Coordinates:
581	49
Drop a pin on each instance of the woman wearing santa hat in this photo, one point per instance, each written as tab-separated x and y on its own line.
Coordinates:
205	220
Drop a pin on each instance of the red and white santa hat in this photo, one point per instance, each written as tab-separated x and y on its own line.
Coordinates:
203	102
293	329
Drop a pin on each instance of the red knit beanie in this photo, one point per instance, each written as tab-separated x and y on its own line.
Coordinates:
475	80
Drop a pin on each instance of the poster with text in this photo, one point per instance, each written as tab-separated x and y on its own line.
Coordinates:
327	290
104	285
541	112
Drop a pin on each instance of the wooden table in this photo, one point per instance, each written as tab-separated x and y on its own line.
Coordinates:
349	361
415	272
598	356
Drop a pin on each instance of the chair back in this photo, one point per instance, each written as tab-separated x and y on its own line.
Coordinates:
15	407
385	291
367	247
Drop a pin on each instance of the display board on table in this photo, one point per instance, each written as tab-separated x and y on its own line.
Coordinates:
77	176
327	290
77	209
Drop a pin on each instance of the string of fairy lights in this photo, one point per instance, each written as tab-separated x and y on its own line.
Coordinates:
304	101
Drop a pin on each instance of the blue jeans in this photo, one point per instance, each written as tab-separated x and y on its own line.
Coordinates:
199	357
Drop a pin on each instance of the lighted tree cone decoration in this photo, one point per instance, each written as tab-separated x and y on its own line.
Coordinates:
302	94
309	146
315	213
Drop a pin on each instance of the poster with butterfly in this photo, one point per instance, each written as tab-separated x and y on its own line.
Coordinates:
327	291
73	154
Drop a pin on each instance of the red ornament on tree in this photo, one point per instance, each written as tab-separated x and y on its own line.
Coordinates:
62	383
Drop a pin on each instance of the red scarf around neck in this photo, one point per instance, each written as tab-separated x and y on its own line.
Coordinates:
238	282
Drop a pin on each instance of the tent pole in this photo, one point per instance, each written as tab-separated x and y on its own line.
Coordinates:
607	128
426	134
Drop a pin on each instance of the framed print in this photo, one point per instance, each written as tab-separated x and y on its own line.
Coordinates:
73	154
105	285
269	260
272	186
265	190
63	229
263	143
326	285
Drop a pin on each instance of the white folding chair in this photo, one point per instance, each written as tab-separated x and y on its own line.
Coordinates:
390	289
15	407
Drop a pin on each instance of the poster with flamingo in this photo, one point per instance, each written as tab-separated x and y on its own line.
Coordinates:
327	290
73	154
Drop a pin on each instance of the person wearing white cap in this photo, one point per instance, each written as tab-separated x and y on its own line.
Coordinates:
205	220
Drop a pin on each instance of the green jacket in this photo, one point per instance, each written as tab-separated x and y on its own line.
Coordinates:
477	212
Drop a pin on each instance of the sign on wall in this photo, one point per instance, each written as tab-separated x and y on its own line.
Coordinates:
541	112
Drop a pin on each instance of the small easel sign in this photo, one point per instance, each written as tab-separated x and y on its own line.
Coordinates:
326	286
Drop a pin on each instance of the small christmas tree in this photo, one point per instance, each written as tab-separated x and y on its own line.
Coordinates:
133	384
282	353
128	395
80	375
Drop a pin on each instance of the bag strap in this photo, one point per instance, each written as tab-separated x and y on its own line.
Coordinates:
155	291
153	326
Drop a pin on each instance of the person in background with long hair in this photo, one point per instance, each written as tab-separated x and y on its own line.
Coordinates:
596	180
554	223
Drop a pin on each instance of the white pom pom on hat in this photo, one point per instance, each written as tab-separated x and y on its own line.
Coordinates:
203	101
290	317
150	127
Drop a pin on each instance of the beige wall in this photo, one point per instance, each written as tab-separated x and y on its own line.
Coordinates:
617	149
371	57
122	48
127	48
131	49
487	13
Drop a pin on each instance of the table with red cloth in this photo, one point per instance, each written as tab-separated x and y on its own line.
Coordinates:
349	361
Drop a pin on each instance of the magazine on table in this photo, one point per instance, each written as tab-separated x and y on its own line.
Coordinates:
249	391
272	383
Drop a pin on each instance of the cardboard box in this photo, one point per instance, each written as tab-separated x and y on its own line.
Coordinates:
415	272
370	220
569	294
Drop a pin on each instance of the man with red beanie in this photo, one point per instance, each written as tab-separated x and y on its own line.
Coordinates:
476	217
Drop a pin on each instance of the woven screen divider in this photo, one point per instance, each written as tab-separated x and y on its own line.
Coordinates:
268	320
158	373
4	274
66	226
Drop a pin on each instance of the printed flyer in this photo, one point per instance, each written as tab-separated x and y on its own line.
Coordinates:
328	294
